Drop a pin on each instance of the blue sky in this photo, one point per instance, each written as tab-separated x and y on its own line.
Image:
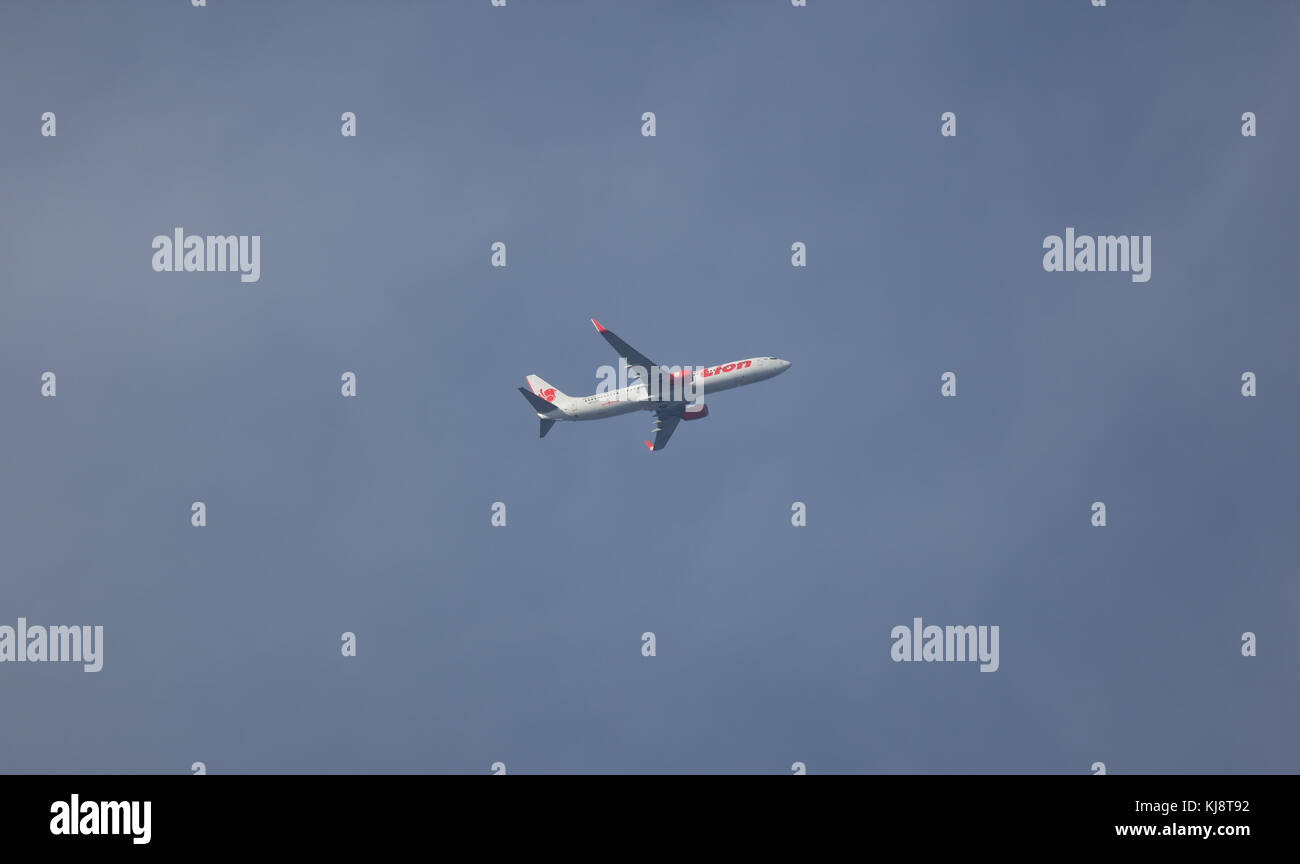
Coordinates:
522	644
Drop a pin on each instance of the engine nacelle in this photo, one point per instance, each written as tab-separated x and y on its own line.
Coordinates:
695	412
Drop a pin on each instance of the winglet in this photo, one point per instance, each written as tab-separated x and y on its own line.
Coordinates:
648	444
599	329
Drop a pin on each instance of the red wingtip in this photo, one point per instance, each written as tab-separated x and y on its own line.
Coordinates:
599	329
648	444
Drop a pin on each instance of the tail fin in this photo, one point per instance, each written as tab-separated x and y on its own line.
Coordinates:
547	392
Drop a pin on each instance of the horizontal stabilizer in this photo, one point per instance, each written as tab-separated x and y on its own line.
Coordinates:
546	426
539	404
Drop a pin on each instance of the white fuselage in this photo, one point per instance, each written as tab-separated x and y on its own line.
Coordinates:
636	397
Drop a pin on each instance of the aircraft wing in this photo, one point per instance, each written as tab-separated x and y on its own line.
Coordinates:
665	423
635	357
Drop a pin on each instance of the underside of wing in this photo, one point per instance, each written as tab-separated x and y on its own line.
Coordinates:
634	357
665	424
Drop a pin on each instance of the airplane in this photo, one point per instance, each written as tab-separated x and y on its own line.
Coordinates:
552	405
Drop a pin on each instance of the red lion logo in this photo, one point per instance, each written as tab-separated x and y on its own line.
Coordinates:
549	394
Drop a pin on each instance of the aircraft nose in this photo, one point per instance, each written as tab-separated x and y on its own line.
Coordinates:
785	364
